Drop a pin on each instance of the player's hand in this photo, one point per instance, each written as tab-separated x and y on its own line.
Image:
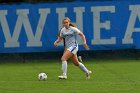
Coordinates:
55	43
86	46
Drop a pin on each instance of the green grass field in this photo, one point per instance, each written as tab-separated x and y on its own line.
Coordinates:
109	76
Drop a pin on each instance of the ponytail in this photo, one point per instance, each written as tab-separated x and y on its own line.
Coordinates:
73	25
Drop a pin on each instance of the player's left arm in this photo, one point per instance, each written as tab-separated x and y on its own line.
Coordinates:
84	40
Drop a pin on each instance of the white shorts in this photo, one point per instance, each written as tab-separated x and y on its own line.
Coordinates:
73	49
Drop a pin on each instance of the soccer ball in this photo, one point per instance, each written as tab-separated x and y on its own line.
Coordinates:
42	76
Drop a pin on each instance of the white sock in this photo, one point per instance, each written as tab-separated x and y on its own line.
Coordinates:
64	68
82	67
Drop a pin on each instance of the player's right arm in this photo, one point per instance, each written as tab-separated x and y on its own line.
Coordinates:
59	39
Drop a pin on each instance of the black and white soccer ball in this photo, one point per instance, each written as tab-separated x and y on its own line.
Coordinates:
42	76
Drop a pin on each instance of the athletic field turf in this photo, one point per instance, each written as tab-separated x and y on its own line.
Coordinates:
109	76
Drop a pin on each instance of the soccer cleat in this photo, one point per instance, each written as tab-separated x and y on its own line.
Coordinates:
88	74
62	77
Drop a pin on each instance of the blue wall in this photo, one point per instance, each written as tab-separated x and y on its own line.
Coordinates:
107	25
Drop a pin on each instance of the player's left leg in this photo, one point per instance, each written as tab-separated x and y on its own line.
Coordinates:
81	66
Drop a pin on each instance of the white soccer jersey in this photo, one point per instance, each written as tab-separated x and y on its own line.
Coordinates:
70	36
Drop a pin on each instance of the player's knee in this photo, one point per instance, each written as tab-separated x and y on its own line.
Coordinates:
63	59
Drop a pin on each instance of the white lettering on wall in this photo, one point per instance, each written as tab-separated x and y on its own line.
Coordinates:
135	13
97	25
23	20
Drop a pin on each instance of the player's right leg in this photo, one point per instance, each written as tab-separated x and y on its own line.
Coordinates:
66	55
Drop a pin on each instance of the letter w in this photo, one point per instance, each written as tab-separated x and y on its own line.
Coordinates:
33	40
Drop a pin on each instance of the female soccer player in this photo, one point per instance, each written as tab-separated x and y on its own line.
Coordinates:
69	35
